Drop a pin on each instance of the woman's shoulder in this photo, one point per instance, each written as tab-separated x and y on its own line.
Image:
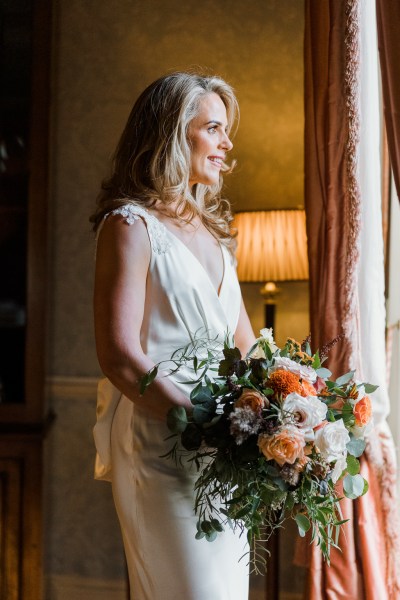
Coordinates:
131	211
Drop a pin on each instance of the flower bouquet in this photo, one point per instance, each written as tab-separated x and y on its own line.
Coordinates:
270	435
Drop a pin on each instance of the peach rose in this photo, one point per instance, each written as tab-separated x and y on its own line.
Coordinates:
284	446
362	411
251	399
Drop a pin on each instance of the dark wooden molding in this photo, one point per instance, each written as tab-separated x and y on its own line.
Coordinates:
31	407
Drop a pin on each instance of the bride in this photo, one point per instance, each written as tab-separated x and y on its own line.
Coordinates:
165	270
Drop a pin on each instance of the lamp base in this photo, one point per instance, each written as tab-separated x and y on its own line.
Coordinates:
270	315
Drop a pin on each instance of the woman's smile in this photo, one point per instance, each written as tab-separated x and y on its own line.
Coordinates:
209	141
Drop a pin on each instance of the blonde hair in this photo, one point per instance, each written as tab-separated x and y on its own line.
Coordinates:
152	159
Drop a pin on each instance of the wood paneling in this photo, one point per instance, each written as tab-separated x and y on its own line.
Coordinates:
20	518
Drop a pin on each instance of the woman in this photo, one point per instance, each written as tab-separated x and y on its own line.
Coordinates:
165	271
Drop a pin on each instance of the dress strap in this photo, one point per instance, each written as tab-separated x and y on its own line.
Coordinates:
159	239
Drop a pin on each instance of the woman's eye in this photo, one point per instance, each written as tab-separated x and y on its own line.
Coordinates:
212	129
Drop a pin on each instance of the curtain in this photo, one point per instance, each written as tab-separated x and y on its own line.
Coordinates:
342	201
388	20
331	194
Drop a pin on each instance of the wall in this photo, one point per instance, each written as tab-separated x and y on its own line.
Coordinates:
106	52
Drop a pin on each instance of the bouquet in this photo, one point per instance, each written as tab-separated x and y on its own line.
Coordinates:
270	435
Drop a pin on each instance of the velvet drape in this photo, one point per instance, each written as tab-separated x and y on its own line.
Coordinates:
365	569
388	21
331	195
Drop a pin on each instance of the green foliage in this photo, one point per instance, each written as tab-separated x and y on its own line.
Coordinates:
353	486
353	465
345	378
177	419
356	446
147	379
369	388
303	524
236	485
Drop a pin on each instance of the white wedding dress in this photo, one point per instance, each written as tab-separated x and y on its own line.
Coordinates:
154	497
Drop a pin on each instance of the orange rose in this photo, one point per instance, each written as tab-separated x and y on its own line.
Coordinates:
251	399
284	446
284	382
362	411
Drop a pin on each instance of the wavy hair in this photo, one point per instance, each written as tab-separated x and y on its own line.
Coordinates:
152	160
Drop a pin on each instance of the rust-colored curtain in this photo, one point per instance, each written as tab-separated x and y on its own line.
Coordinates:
365	568
331	194
388	20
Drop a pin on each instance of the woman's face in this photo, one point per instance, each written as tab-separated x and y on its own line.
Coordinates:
209	141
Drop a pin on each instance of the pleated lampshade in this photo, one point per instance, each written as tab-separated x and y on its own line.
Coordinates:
272	245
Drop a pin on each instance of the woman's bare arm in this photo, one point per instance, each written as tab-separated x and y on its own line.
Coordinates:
123	257
244	334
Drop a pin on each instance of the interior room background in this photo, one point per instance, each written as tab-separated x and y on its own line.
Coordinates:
104	53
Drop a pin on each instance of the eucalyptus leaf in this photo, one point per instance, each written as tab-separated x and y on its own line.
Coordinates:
201	395
303	524
353	486
323	372
353	465
217	525
202	413
345	378
147	379
369	388
356	447
177	419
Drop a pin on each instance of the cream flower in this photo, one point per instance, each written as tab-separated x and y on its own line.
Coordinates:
267	336
331	440
302	371
258	352
307	412
339	467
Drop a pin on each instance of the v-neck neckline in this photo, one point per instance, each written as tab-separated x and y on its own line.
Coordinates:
194	257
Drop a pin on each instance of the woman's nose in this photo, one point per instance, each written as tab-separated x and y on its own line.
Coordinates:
226	143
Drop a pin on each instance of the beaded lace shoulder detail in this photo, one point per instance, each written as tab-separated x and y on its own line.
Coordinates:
159	240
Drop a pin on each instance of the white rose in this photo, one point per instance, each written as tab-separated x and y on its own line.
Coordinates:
339	467
304	372
332	439
308	412
267	335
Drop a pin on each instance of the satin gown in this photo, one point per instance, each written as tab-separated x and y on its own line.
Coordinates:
154	497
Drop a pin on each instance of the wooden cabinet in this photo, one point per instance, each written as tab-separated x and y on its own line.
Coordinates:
25	35
20	527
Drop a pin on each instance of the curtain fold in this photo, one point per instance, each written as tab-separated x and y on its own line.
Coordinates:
346	296
388	20
331	195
